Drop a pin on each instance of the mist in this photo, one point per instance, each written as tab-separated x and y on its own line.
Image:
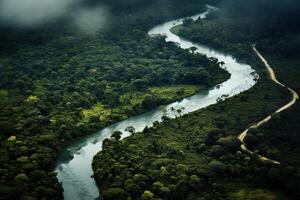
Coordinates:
33	13
91	20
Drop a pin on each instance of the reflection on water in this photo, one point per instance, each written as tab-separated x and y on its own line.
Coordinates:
74	165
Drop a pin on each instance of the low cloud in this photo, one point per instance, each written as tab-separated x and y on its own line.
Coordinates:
32	13
91	20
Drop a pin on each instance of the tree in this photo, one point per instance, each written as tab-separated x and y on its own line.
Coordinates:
196	181
12	138
6	128
147	195
230	143
114	194
216	150
116	135
251	139
132	187
213	135
32	99
140	84
21	177
161	189
111	97
150	101
187	21
193	49
181	189
196	76
10	192
216	166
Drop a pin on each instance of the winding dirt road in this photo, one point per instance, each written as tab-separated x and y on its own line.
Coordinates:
294	99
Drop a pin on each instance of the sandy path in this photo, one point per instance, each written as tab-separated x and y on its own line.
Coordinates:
294	99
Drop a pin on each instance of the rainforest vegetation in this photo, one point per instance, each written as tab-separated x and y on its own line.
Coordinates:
58	84
279	38
198	156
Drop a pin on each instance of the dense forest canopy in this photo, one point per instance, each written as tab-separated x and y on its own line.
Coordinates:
269	15
70	67
58	84
258	8
188	155
273	25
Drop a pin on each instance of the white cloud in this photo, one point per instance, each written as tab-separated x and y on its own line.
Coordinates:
33	12
91	20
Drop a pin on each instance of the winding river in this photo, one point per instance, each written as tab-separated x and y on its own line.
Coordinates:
74	168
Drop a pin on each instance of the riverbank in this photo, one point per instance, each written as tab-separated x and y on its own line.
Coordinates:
50	75
74	177
276	139
184	144
187	157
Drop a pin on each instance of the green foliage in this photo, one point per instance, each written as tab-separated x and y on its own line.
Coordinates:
207	140
116	135
135	102
22	159
175	167
216	166
114	194
21	177
7	192
271	25
230	143
12	138
187	22
3	94
147	195
278	138
32	99
57	85
240	191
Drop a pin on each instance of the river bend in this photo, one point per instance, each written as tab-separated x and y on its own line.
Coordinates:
74	167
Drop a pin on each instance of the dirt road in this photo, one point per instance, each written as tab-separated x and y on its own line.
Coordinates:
294	99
